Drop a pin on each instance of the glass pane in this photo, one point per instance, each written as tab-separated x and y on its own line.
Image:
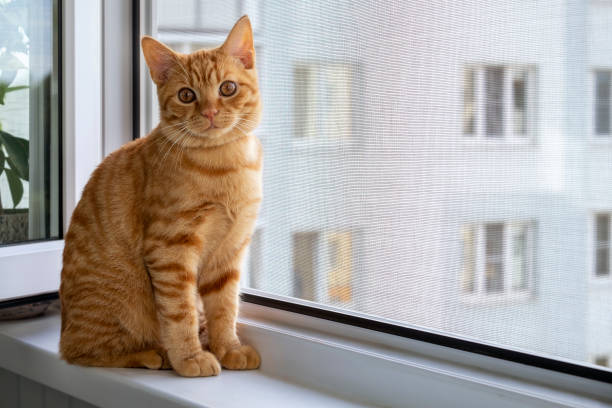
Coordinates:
602	261
305	81
468	278
494	273
519	258
602	228
469	105
519	102
494	103
340	267
374	203
305	265
603	88
29	121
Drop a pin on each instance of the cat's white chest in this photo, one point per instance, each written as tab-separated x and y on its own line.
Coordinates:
251	150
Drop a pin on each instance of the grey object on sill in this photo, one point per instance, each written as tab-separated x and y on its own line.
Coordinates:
13	226
29	310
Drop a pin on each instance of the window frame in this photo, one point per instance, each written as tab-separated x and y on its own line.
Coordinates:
508	294
594	279
78	72
326	320
95	120
479	134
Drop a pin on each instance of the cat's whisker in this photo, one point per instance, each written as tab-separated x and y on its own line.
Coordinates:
167	139
184	145
242	120
242	130
175	141
183	148
184	138
174	125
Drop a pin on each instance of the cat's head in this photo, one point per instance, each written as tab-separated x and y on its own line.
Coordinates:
209	96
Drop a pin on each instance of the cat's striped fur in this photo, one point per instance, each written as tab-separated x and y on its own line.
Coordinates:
163	223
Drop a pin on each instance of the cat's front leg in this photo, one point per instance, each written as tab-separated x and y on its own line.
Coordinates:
172	263
219	291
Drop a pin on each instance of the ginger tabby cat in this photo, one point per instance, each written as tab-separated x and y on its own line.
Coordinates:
152	258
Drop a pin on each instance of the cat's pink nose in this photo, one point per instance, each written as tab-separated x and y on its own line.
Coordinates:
210	113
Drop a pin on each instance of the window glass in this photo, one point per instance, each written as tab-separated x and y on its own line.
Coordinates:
602	244
469	97
373	200
494	91
494	238
29	121
519	101
603	112
468	278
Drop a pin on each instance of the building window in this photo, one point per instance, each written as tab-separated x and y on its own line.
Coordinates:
603	110
323	266
497	258
322	95
498	101
602	245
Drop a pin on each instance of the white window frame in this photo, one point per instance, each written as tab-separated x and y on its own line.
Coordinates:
508	137
96	119
480	294
331	356
591	247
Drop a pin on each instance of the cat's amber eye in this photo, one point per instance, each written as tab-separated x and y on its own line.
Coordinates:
228	88
186	95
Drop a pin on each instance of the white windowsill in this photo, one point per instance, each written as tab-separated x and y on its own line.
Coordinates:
305	362
30	349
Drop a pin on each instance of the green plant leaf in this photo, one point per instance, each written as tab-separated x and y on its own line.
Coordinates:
3	89
18	153
15	185
2	160
16	88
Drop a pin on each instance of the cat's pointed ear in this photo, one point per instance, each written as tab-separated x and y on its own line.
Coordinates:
159	57
239	42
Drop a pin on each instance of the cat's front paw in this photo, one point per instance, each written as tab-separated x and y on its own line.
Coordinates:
241	358
202	364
